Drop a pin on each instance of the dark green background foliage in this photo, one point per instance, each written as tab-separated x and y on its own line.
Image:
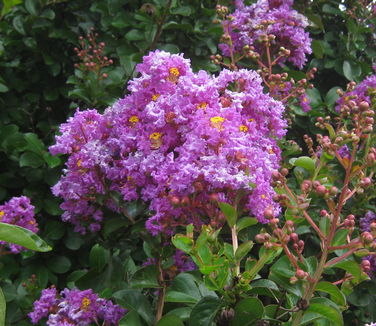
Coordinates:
40	87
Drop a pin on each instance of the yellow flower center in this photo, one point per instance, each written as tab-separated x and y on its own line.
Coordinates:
243	128
155	140
1	214
85	303
271	151
155	97
134	119
79	163
155	136
202	105
216	122
263	196
175	71
251	120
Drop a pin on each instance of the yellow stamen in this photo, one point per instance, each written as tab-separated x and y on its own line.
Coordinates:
263	196
175	71
155	135
216	122
251	120
134	119
243	128
155	140
271	151
155	97
79	163
85	303
202	105
1	214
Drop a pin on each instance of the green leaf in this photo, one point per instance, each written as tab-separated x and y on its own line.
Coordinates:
174	296
135	35
326	309
23	237
243	250
351	70
52	161
318	49
247	312
229	212
349	266
181	10
170	320
8	5
332	96
134	300
183	312
31	7
183	242
335	293
30	159
59	264
145	277
131	318
34	144
304	162
98	258
3	305
3	88
245	222
18	24
204	311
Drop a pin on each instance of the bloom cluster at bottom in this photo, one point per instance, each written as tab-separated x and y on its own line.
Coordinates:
74	307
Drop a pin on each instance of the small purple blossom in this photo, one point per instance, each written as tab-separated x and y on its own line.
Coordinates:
183	262
365	222
74	307
18	211
249	24
358	95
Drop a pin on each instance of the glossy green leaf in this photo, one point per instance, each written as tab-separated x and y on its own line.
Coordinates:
135	301
245	222
145	277
351	70
304	162
23	237
204	311
318	49
59	264
183	242
247	312
349	266
229	212
335	293
98	257
30	159
326	309
170	320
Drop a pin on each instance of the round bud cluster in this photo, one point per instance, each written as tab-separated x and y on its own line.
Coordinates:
91	55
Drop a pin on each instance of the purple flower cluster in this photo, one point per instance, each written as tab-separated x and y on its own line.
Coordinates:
74	308
248	25
369	262
180	141
18	211
358	95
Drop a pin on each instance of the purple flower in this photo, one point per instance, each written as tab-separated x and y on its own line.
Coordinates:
248	26
18	211
179	139
365	222
183	262
74	307
358	95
